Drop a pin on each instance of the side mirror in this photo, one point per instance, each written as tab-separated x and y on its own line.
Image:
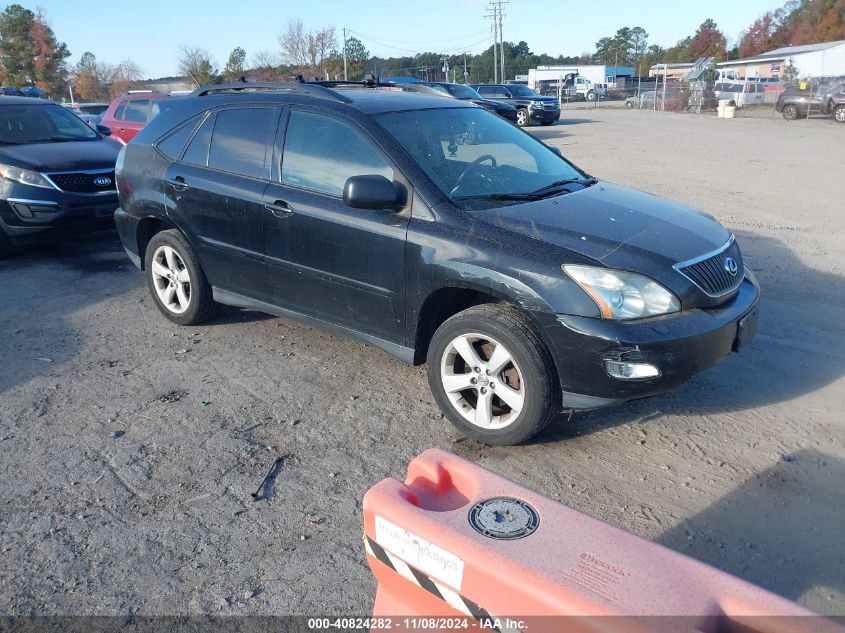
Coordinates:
371	192
104	130
556	150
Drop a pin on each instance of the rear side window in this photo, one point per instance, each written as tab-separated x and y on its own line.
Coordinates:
321	152
135	111
197	152
240	140
173	144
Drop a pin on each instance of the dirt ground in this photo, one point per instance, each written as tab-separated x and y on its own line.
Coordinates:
129	447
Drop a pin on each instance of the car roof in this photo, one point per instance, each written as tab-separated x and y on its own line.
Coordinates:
366	100
15	100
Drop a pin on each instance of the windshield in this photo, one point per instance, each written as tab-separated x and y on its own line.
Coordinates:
462	91
473	156
41	124
521	91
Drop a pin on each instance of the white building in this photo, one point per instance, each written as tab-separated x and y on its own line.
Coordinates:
810	60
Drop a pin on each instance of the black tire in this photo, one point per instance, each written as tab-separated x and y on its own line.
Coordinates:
522	118
629	104
591	95
790	112
532	365
201	305
839	113
6	247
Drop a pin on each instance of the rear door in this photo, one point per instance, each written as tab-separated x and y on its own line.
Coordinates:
325	259
216	192
131	116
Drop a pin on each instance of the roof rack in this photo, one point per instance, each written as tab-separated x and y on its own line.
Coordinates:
370	81
303	88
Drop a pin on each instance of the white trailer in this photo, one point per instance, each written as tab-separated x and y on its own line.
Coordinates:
581	80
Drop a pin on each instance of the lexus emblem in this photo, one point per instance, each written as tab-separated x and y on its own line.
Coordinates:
102	181
731	267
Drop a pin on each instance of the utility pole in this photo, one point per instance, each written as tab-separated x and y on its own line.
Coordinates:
494	7
502	40
345	76
466	72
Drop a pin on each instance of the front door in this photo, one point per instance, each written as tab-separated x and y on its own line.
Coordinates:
325	259
217	191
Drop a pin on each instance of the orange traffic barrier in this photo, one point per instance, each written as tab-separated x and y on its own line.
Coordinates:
456	540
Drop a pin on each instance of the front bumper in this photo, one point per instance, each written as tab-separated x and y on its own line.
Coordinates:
542	115
680	345
26	210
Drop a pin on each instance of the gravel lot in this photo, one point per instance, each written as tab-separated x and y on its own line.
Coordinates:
129	446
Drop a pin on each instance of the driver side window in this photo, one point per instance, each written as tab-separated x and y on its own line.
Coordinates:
322	152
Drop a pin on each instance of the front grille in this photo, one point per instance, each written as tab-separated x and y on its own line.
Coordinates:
712	275
80	182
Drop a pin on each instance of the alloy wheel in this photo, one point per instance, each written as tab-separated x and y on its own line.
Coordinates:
171	279
482	381
521	118
839	114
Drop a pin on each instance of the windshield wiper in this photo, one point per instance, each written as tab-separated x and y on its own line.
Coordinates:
586	181
501	196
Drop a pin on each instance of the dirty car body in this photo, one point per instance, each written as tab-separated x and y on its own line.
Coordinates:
472	224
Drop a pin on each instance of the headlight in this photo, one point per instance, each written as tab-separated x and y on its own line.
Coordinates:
537	104
623	295
24	176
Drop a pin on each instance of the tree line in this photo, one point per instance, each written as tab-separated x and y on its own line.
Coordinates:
31	54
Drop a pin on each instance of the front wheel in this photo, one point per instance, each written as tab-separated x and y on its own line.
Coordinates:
176	280
591	95
492	376
522	118
839	113
790	112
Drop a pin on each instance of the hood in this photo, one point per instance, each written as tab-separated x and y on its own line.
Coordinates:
499	105
620	227
66	156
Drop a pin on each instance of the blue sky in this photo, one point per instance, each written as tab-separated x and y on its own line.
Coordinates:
150	32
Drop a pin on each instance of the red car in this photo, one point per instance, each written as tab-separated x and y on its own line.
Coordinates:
126	115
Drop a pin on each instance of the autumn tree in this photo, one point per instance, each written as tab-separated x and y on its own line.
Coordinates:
708	41
30	54
267	66
235	65
197	64
307	51
797	22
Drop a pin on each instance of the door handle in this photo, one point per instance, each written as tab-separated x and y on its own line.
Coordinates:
279	208
179	183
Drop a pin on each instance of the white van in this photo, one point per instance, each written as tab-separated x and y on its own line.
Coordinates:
742	93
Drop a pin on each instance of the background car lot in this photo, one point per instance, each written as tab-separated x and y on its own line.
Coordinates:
129	446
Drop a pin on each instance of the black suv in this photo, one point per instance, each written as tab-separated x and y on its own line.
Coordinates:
526	285
531	107
806	98
57	172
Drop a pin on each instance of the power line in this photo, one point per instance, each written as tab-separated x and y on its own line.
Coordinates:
451	39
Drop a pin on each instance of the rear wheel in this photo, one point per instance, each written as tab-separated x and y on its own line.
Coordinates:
790	112
839	113
522	119
492	375
176	280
